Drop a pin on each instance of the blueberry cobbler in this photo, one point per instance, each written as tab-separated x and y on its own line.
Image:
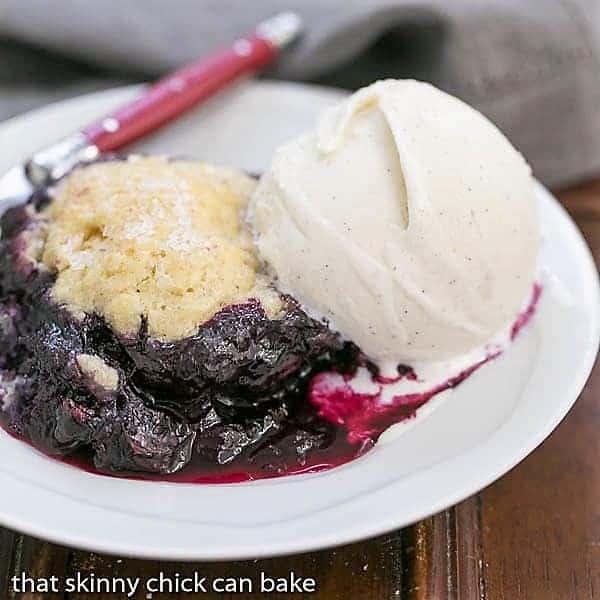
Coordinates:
139	332
169	319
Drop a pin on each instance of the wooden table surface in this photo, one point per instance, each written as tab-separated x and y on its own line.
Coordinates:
534	534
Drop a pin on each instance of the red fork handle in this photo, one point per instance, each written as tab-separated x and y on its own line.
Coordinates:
175	94
165	100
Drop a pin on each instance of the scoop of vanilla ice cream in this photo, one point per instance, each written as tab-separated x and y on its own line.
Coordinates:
406	218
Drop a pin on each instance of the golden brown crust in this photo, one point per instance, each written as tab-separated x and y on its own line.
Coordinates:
149	236
101	373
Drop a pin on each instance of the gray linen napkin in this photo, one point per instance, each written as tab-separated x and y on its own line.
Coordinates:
532	66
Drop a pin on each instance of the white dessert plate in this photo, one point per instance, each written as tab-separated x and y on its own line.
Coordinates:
475	434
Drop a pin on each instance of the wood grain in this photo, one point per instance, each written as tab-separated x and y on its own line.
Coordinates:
534	534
